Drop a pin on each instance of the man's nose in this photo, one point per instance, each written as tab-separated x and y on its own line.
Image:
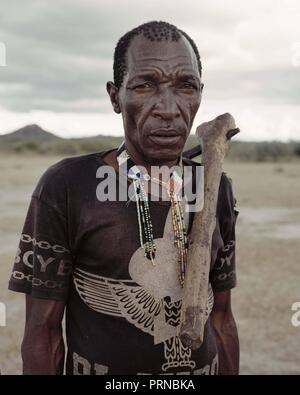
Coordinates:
166	107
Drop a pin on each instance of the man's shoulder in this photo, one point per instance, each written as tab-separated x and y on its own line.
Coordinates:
69	171
226	198
69	163
226	182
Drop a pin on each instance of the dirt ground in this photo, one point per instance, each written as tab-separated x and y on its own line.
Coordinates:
268	252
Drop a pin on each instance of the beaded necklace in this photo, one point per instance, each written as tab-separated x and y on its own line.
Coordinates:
173	187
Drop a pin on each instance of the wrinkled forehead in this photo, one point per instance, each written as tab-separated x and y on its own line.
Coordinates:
167	54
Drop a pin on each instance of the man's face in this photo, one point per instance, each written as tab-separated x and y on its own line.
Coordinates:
159	98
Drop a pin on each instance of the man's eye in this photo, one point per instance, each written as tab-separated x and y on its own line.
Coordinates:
187	85
145	85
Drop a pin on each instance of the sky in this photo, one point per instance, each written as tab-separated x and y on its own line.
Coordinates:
56	57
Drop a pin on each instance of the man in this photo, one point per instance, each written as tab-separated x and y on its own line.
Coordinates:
113	264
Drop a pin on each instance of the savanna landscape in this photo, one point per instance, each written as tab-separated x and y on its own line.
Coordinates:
267	188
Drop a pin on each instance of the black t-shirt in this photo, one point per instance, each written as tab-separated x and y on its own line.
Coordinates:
122	312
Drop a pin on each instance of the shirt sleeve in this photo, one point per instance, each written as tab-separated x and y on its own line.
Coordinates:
223	272
43	262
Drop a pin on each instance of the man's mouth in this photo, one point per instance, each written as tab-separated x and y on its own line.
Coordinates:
165	137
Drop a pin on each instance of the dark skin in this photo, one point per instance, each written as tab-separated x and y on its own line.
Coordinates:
43	347
158	101
226	334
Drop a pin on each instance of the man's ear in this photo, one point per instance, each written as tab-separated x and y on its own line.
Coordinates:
113	92
201	92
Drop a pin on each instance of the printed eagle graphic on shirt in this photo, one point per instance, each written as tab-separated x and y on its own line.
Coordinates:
150	300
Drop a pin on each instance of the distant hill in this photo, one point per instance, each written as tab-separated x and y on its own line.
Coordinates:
31	132
34	140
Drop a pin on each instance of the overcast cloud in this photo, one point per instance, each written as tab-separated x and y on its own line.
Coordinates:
59	57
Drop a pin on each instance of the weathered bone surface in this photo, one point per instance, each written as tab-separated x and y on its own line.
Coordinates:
214	136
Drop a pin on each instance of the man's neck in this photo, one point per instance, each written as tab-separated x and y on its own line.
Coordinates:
140	161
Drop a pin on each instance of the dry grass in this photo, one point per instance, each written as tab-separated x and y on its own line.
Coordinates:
268	260
268	251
